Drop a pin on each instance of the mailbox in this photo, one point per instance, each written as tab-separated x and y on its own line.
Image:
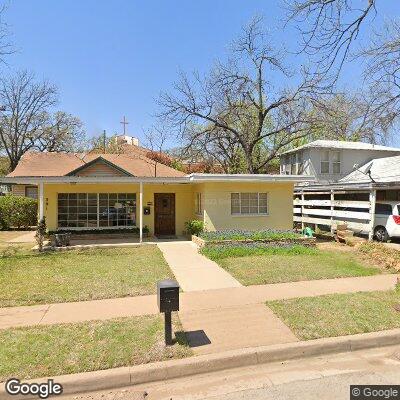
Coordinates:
168	295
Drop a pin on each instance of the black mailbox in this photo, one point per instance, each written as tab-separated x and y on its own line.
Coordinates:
168	295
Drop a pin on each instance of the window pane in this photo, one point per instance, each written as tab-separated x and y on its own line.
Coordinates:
324	167
383	209
336	168
325	155
235	209
336	156
263	210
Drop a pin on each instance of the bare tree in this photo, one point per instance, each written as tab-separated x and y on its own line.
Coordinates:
6	47
351	117
237	104
329	28
60	131
26	122
383	70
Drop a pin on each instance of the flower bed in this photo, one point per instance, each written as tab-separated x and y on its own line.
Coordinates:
240	237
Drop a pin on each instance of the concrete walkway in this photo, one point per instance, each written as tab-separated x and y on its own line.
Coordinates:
219	299
194	271
27	237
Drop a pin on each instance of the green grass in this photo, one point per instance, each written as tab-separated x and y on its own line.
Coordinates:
339	314
76	275
288	265
219	252
33	352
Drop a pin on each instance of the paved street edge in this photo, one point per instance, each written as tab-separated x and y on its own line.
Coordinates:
161	371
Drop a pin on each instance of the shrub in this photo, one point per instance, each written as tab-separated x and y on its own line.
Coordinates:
194	227
17	212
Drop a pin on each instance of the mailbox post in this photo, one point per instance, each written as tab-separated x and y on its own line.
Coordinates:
168	301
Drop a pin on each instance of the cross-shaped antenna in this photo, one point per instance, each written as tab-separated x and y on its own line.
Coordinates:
124	122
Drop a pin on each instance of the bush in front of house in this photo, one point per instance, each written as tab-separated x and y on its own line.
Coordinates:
17	212
237	234
194	227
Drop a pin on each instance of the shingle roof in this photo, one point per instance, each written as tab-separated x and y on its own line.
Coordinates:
341	144
35	164
381	170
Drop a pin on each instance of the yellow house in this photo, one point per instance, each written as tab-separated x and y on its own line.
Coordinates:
119	191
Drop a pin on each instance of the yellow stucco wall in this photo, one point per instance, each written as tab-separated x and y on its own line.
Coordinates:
217	206
216	203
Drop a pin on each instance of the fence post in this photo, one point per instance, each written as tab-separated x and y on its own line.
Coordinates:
372	201
302	207
332	209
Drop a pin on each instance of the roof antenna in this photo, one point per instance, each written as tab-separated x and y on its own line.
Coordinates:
366	172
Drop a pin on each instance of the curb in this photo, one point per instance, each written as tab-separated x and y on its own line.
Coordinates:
164	370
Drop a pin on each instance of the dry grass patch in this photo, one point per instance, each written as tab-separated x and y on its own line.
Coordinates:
380	255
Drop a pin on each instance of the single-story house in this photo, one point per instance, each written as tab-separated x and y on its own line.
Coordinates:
120	191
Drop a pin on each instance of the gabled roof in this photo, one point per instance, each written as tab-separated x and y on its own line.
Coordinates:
35	164
341	144
99	160
381	170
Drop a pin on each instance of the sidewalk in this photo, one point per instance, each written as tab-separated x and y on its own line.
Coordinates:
194	271
48	314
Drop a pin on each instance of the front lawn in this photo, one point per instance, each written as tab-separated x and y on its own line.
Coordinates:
339	314
76	275
35	351
257	265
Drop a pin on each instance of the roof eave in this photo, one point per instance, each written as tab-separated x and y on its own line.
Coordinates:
192	178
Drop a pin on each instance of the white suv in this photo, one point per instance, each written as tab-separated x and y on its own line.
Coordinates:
387	220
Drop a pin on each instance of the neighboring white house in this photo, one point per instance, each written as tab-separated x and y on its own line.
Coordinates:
331	160
353	198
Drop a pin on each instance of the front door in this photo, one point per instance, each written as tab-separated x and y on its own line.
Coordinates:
164	213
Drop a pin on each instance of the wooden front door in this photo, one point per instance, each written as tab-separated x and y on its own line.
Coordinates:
164	213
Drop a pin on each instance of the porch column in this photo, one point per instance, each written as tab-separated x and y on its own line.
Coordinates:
372	201
41	201
141	212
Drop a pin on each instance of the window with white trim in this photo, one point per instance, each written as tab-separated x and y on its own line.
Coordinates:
325	162
249	203
335	162
94	210
198	204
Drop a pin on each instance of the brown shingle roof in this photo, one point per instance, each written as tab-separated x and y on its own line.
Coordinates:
35	164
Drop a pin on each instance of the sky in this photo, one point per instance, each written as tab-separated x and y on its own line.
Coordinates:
113	58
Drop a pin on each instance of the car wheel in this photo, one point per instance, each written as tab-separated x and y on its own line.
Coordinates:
381	234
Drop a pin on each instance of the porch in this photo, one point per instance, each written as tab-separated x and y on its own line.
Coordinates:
116	213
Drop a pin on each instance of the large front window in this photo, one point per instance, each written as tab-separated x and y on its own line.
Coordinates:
249	203
94	210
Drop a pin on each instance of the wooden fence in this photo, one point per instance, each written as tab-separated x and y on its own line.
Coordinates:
358	215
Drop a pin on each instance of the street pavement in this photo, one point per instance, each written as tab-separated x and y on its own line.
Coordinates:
321	378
